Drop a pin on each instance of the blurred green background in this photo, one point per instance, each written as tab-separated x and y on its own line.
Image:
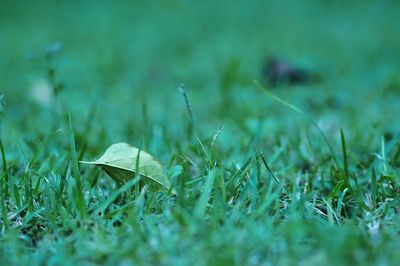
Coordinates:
125	54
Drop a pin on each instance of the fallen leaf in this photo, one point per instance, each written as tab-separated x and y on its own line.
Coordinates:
119	162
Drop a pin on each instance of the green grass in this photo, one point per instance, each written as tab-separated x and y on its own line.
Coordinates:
296	175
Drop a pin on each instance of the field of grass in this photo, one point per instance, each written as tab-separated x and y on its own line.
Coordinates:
304	174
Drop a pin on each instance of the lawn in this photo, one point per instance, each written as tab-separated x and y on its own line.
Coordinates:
302	173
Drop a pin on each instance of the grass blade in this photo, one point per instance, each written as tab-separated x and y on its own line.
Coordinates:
5	168
205	195
301	112
345	168
373	187
191	128
76	173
